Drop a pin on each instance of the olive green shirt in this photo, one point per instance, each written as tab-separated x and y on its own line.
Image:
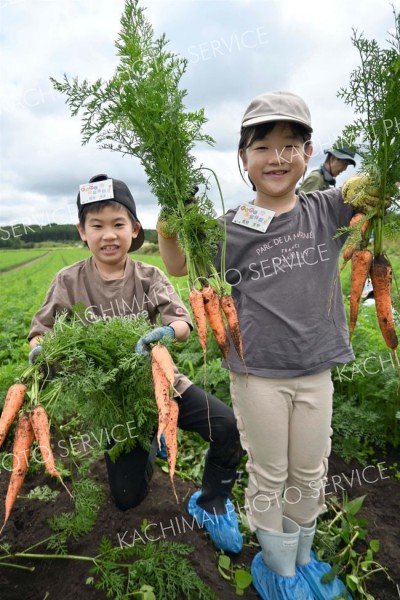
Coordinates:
314	182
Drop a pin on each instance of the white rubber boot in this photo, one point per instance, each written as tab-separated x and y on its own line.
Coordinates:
279	550
306	538
274	568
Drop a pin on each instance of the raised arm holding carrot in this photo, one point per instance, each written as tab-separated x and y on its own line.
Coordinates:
284	278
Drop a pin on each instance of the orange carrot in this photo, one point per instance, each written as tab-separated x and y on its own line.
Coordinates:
215	320
197	304
360	265
171	441
12	404
229	308
350	248
160	354
356	219
381	277
161	393
23	441
41	429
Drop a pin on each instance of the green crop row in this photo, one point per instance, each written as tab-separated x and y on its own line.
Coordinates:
13	258
21	293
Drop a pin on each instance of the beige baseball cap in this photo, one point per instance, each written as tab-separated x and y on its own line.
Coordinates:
277	106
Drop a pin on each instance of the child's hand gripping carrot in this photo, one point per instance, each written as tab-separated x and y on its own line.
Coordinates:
166	333
361	194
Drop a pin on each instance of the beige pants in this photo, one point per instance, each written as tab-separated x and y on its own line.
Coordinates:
285	427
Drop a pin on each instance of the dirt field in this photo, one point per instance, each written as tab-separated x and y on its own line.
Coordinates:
65	579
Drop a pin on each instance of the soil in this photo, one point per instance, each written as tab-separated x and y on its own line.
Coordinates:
65	579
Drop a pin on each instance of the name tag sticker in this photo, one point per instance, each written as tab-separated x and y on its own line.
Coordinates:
96	191
253	217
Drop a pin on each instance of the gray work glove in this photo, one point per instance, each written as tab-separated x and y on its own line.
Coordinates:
158	334
34	353
48	371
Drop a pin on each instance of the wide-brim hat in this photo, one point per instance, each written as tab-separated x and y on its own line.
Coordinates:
342	154
116	191
277	106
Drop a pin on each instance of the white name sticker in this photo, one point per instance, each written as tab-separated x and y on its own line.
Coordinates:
253	217
96	191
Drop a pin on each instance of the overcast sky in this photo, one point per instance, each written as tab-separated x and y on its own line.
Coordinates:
236	49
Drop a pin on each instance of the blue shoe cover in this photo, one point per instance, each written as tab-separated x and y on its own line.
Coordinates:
271	586
223	529
312	573
162	451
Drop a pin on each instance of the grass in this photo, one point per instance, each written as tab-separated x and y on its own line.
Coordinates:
14	258
180	283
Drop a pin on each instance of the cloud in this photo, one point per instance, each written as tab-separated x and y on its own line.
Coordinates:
236	49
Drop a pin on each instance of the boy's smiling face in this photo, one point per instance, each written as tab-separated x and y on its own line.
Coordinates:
109	233
276	163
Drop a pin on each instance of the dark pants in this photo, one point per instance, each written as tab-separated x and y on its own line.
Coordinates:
130	474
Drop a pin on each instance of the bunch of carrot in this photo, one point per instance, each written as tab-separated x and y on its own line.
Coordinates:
30	426
363	265
373	93
163	370
208	306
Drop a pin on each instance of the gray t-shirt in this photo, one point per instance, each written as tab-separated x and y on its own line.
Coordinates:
287	291
144	289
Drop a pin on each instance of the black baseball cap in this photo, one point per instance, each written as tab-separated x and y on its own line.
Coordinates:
117	192
342	154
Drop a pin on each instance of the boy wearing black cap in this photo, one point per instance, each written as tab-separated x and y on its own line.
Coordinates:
336	162
110	284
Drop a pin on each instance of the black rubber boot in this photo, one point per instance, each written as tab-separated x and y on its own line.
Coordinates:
216	487
130	474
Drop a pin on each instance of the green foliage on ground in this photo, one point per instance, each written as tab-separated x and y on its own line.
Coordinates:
122	571
342	541
100	377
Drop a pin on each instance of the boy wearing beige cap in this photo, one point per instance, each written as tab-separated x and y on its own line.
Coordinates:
282	264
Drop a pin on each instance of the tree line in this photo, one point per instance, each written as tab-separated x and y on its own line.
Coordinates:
27	236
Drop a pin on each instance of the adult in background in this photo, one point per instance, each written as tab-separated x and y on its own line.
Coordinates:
324	177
